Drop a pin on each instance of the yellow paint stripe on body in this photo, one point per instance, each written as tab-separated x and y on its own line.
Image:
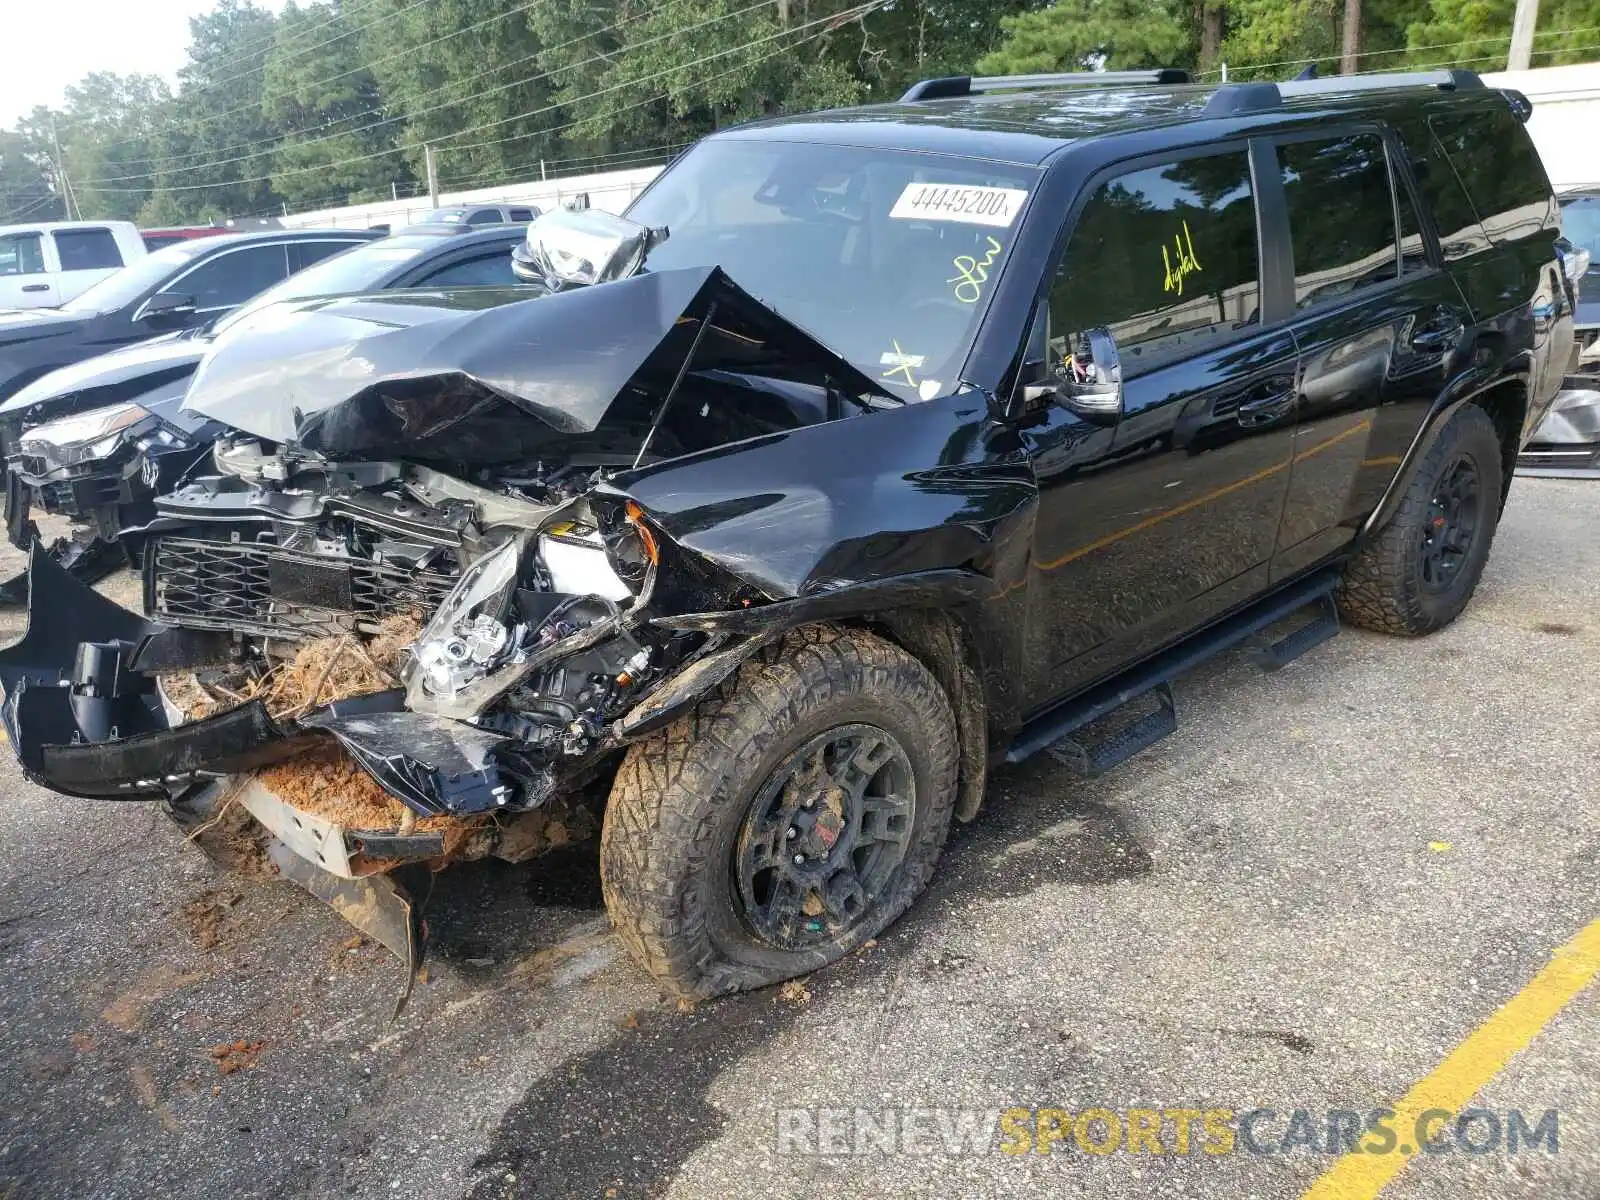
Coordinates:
1470	1066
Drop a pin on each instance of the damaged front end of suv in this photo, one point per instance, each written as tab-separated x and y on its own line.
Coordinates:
429	557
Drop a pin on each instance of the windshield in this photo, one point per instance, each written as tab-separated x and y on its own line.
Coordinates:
887	257
132	282
358	270
442	216
1580	221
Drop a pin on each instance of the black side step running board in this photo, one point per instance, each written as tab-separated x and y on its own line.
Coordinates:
1156	673
1098	758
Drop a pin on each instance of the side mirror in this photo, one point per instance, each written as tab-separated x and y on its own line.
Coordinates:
1090	379
168	304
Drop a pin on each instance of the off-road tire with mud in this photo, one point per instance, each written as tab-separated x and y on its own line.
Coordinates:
1384	587
681	797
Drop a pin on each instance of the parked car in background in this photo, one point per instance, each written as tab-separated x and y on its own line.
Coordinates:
108	434
160	239
1567	442
481	214
47	264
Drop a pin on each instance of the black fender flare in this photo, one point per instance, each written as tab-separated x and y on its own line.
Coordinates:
1462	391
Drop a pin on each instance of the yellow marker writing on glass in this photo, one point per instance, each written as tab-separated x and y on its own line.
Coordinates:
900	363
973	274
1182	264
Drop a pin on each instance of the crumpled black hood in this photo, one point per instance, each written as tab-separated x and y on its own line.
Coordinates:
384	374
26	324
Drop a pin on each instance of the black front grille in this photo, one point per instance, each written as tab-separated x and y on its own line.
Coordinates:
280	593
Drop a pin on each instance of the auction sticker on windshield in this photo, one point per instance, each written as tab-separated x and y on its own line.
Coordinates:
952	202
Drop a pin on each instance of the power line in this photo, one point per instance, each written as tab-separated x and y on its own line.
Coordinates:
94	185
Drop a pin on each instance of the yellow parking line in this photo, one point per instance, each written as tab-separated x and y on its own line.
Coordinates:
1470	1066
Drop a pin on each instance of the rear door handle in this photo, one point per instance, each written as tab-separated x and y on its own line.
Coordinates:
1439	334
36	287
1270	402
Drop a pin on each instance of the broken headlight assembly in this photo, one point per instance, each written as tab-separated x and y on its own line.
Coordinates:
99	434
467	638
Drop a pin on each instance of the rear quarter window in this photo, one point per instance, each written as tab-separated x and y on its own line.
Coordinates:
1499	168
87	249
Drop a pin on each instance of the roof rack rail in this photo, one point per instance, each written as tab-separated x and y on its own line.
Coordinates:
969	85
1235	99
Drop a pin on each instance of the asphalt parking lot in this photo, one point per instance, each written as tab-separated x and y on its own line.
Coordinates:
1306	899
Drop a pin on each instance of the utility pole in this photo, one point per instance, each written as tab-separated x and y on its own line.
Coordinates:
1522	24
433	173
61	171
1350	49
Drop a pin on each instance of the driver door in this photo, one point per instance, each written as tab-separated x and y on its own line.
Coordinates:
1160	517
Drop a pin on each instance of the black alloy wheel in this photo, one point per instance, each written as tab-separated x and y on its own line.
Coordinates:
823	837
1450	529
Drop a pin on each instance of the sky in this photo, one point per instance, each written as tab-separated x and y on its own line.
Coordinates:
52	44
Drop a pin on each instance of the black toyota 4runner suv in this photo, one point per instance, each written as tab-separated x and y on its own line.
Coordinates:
869	450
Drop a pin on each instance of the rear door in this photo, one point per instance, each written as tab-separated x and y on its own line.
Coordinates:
26	279
86	256
1152	526
1380	327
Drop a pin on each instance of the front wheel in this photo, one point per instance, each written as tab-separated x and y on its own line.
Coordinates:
1419	573
786	820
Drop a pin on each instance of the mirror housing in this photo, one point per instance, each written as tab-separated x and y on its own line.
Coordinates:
565	248
1089	381
168	304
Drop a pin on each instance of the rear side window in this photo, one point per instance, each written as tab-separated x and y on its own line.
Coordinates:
1166	258
522	214
1341	216
87	249
21	254
303	254
1498	166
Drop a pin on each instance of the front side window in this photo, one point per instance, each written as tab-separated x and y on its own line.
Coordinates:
21	254
87	249
887	257
485	216
233	277
475	272
1166	258
1341	216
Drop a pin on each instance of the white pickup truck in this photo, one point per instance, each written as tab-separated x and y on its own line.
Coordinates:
47	264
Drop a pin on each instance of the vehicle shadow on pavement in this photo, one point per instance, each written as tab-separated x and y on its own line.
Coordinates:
629	1114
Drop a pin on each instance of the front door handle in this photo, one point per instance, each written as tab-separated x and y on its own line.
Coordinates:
36	287
1272	402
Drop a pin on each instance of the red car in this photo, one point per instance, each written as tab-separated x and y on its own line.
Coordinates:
155	239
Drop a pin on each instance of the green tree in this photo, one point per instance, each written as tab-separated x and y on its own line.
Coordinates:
1077	35
26	191
316	87
108	129
215	150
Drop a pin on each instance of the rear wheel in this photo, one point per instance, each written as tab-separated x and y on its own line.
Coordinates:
1419	573
786	820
